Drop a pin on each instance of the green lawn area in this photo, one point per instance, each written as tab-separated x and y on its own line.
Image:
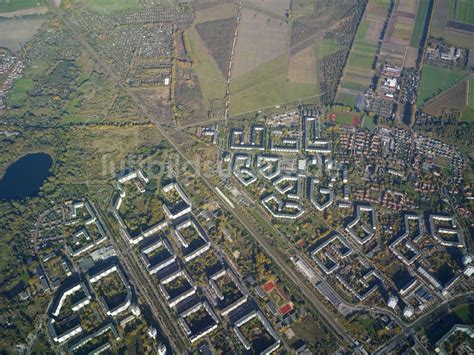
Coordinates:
105	6
210	77
465	11
368	324
419	23
465	313
13	5
435	80
468	113
20	92
267	85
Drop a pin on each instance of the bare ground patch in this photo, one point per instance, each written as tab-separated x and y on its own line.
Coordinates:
410	58
278	7
373	32
15	32
407	5
452	98
260	39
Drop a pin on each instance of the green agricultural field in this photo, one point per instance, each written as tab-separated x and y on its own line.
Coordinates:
346	99
13	5
359	67
462	11
362	31
419	23
265	86
351	85
465	11
105	6
435	80
20	92
210	77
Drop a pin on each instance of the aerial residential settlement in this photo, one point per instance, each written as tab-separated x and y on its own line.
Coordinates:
236	177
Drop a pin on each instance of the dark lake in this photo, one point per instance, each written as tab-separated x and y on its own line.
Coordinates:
24	177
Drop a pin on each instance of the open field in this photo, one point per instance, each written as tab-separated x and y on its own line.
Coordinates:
359	68
261	38
302	7
435	80
277	6
468	113
210	77
302	66
14	5
454	97
20	92
267	85
15	32
274	8
216	12
105	6
269	68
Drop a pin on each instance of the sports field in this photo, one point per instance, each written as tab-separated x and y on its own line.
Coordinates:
435	80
